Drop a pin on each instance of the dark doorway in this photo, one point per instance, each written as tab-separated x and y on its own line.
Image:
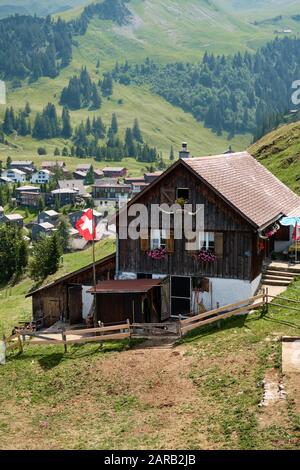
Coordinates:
180	296
75	304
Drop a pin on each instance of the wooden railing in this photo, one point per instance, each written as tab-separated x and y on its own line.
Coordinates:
222	313
65	337
126	330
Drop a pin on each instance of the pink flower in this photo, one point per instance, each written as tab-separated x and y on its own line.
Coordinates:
206	257
157	254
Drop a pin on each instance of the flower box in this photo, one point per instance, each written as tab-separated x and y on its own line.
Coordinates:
158	254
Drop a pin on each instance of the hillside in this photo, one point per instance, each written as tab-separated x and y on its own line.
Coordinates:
279	151
38	7
170	31
205	393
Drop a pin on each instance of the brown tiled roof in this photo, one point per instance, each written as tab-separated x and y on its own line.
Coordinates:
246	185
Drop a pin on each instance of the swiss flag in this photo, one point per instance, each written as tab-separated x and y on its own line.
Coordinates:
86	226
296	234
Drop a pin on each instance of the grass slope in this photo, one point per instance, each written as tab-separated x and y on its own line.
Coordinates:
13	305
279	151
203	394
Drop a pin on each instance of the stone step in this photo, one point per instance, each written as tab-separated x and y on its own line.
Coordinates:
295	270
273	272
278	278
273	282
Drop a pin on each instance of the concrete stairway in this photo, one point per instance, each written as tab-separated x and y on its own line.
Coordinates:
280	274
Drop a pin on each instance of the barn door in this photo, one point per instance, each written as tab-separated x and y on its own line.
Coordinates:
165	300
51	311
75	305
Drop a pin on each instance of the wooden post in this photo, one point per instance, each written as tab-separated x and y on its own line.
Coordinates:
219	322
133	311
179	326
267	300
129	328
64	338
20	344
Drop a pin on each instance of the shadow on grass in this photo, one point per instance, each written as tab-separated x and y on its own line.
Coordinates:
281	322
50	357
51	360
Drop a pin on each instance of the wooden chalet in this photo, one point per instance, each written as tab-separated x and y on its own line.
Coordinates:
243	204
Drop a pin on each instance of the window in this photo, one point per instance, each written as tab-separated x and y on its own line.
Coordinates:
158	239
209	241
183	193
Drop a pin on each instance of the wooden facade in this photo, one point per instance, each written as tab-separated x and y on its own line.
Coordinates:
62	300
236	240
136	307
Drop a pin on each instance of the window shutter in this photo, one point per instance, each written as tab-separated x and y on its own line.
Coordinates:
144	241
167	196
219	245
170	243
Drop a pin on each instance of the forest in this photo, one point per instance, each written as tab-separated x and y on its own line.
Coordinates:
33	47
90	139
237	94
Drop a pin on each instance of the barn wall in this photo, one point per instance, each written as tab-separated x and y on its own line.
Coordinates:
51	303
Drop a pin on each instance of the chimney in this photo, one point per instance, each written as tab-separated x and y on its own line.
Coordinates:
184	153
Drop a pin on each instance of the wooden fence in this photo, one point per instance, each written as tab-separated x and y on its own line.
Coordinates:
222	313
137	330
65	337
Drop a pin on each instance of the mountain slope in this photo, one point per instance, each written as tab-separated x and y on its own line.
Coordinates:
279	151
174	30
37	7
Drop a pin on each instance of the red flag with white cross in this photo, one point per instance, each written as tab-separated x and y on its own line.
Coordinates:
296	234
86	226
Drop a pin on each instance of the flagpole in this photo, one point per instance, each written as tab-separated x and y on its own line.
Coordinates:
94	269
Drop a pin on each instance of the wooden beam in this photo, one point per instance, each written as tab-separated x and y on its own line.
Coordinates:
221	309
188	328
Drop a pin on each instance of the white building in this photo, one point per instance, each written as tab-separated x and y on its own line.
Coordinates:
41	177
2	92
16	176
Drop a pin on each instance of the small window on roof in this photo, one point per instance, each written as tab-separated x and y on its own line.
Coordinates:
183	193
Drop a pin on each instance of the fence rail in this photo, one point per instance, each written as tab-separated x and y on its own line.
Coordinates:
222	313
88	335
127	330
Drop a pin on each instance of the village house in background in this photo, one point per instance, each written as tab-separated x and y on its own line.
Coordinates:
41	177
75	185
109	194
5	180
14	219
16	176
50	216
24	165
41	229
27	196
114	172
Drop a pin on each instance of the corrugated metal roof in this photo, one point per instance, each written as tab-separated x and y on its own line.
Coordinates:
128	286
